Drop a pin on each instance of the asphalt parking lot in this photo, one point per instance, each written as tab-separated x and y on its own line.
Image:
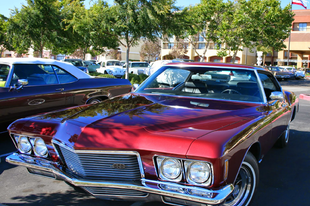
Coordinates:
284	173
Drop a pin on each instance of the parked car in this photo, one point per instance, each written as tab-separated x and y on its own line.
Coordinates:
91	65
154	66
112	67
32	86
290	69
189	135
279	74
78	63
300	74
137	67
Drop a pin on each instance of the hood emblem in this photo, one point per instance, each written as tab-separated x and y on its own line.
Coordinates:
118	166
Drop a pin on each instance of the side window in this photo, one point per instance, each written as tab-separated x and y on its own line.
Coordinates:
64	76
4	72
33	73
269	84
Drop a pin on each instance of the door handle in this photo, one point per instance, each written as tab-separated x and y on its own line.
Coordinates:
60	89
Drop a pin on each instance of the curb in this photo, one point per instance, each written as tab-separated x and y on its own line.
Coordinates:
304	96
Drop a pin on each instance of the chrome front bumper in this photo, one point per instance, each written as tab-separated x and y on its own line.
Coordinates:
165	190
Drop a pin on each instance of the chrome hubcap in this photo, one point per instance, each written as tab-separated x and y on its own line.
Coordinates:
243	186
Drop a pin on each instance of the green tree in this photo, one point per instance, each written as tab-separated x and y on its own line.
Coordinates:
133	19
90	34
3	41
255	23
205	19
36	25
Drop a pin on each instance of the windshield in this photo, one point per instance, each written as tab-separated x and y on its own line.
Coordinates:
139	64
229	84
114	63
75	62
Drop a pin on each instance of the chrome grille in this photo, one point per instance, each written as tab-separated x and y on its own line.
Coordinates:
114	191
94	165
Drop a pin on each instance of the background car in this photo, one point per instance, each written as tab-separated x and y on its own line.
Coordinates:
279	74
290	69
189	135
78	63
137	67
300	74
112	67
31	86
91	65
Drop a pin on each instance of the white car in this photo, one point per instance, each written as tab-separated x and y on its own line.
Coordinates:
158	64
299	74
137	67
112	67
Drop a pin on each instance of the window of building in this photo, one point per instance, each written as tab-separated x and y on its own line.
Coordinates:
170	45
302	27
201	36
201	46
171	39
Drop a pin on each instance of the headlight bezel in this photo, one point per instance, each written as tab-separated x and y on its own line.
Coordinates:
161	161
188	170
24	138
34	142
38	141
185	171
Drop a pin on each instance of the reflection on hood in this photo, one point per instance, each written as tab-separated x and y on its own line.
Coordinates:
127	103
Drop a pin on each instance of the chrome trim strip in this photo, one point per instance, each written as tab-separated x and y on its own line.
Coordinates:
149	186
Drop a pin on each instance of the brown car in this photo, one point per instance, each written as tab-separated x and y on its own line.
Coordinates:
279	74
32	86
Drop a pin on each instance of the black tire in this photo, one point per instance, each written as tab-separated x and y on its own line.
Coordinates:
283	140
245	183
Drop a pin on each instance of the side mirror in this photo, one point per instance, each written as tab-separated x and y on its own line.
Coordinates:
277	96
22	82
19	85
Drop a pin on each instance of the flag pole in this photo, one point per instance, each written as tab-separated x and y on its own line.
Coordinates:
289	39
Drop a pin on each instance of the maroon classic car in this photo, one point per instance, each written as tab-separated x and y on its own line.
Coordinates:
30	86
191	134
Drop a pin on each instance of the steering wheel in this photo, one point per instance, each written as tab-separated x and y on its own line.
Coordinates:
230	91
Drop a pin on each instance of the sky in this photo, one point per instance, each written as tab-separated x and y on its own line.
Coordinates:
6	5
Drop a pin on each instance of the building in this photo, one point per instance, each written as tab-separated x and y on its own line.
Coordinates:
246	56
298	45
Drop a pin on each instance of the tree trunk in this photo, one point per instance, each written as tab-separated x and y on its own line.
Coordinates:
127	62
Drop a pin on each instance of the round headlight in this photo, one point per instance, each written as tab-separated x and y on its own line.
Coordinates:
199	172
40	148
171	168
24	145
110	72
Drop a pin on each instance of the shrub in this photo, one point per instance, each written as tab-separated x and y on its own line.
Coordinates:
136	79
96	74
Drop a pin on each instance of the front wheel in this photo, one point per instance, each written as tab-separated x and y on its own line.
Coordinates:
245	183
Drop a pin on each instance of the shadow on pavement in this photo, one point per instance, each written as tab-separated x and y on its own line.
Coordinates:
284	173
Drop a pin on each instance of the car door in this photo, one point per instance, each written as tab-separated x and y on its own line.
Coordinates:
43	91
278	110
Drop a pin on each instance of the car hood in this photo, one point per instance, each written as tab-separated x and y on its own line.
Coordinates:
144	121
114	68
